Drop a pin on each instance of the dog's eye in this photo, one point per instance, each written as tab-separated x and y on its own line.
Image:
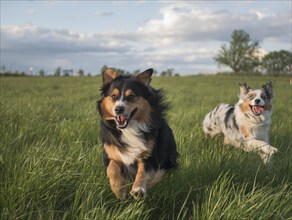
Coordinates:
247	98
114	97
250	96
130	97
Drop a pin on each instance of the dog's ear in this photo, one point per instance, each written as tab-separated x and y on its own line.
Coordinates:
145	77
244	88
109	75
268	88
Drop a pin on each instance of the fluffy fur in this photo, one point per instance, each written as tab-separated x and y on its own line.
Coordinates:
245	125
137	141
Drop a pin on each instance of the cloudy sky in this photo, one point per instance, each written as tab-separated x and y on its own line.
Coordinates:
184	35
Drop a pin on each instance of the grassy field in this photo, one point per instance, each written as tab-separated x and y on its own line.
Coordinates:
51	166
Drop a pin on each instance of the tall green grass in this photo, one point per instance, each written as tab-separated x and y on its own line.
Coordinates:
51	165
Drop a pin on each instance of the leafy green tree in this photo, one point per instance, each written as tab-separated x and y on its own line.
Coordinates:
163	73
42	72
169	72
3	68
241	54
278	62
58	71
68	72
80	72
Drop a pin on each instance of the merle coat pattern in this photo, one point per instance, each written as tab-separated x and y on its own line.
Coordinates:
245	124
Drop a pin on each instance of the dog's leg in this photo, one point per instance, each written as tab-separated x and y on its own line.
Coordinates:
226	141
265	150
117	181
139	186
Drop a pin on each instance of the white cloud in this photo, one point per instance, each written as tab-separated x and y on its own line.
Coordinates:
28	45
185	36
30	11
185	22
32	39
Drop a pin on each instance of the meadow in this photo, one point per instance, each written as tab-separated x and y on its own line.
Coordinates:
51	155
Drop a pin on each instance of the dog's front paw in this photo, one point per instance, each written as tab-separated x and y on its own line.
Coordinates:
267	153
138	192
120	192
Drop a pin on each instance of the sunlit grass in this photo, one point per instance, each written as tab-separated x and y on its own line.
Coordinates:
51	164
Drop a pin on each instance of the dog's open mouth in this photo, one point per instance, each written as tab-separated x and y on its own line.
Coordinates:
123	120
256	109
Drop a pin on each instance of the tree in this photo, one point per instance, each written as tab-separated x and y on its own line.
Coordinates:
278	62
42	72
68	72
163	73
80	72
3	68
241	54
58	71
169	72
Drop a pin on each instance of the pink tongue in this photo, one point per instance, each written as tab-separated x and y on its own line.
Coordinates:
259	109
122	119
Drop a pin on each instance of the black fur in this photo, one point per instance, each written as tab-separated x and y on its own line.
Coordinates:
164	154
228	114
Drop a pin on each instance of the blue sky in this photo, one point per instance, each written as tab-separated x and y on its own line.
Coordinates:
184	35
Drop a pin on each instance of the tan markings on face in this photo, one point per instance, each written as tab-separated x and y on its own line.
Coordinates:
112	152
143	110
244	131
129	92
245	106
107	106
115	92
247	101
251	96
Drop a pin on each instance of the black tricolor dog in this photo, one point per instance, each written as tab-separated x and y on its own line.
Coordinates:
138	143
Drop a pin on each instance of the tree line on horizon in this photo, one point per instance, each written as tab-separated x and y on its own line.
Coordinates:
80	72
242	55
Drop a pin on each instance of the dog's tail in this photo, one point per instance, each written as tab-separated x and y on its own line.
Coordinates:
155	177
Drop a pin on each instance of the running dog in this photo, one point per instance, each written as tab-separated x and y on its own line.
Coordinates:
245	125
138	144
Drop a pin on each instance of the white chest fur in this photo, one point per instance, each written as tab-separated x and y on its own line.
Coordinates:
136	145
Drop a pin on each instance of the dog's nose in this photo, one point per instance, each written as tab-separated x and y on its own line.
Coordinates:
119	109
257	101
